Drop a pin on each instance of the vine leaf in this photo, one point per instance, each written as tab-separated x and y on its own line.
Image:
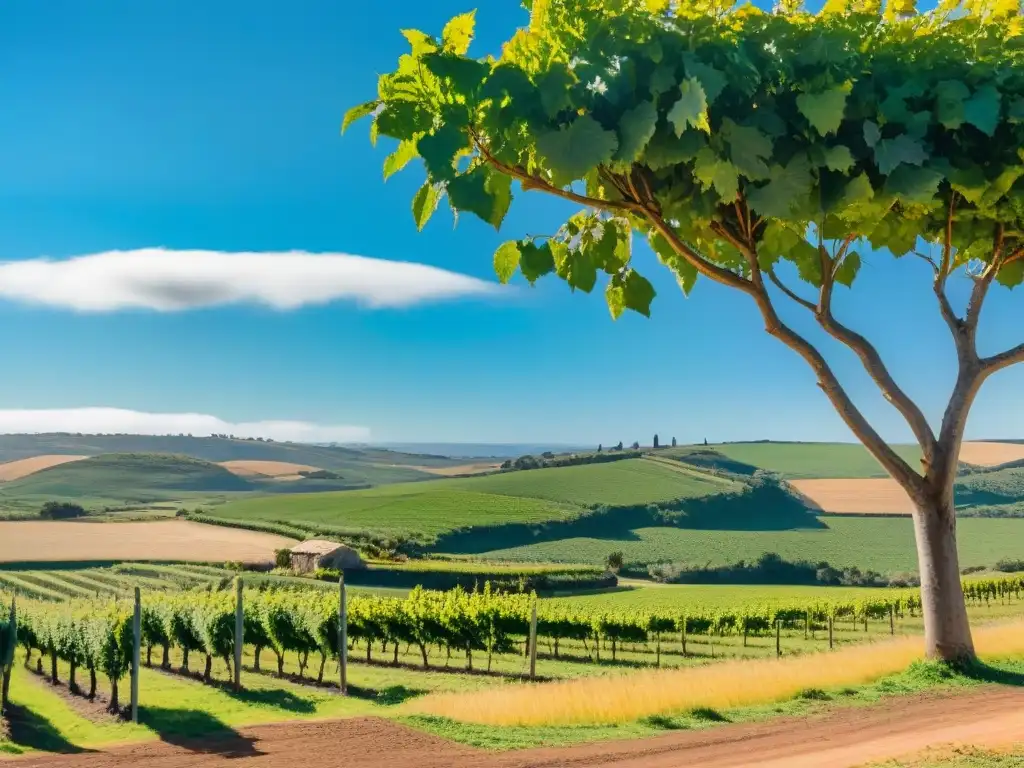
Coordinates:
573	151
691	108
824	110
890	153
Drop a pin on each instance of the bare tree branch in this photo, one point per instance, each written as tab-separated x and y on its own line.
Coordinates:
1003	360
789	292
876	368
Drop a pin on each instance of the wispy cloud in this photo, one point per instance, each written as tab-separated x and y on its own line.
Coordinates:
100	421
169	281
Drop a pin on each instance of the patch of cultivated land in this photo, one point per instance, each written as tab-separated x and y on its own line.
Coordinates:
814	460
15	470
461	469
266	468
880	496
991	454
884	544
434	507
160	540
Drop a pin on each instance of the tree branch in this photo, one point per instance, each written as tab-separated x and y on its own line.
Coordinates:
789	292
876	368
1003	360
830	385
702	265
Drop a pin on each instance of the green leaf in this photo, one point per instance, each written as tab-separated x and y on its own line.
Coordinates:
982	110
950	96
358	112
421	42
749	148
463	76
711	170
506	260
890	153
684	271
872	133
612	251
636	127
458	33
535	261
632	291
666	150
400	158
571	152
425	203
691	108
1012	274
787	187
577	268
440	148
711	80
663	79
848	269
403	120
969	182
912	184
824	110
555	91
499	187
473	193
838	158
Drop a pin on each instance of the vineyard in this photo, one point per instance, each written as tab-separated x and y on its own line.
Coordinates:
94	636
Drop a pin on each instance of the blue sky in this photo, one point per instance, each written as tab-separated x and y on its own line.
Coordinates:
214	126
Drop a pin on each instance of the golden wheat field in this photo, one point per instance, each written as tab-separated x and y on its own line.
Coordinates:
722	686
861	497
15	470
35	540
991	454
276	469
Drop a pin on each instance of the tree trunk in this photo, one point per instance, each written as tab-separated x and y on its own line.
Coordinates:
92	683
72	683
184	659
256	658
208	668
423	653
115	704
280	664
323	663
947	631
5	690
165	661
53	668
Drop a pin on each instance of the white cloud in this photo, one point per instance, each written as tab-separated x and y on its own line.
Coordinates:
167	280
95	421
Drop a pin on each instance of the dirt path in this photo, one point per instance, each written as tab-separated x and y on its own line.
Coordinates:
843	738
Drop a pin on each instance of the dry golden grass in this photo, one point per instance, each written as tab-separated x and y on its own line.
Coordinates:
275	469
862	497
991	454
14	470
722	686
461	469
159	540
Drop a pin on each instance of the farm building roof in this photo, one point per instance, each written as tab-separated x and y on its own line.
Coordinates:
316	547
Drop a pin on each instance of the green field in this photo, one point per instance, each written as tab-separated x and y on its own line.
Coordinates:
813	460
435	507
882	544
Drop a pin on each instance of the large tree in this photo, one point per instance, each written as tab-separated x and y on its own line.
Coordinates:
764	151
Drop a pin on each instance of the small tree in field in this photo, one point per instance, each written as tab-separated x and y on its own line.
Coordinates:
762	151
655	445
673	442
614	562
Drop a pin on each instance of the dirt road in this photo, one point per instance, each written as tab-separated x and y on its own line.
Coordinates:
844	738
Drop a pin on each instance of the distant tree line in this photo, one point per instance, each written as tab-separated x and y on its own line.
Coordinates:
61	510
548	459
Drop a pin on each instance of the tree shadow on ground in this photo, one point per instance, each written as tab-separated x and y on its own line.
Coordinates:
276	697
198	732
985	673
33	731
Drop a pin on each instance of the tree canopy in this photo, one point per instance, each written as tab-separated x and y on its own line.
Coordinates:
762	150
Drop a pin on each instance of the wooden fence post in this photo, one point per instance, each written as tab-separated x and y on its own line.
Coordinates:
239	632
342	637
136	653
830	633
778	638
892	621
7	663
533	641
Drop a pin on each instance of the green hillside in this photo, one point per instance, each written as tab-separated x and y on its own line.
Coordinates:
362	465
130	478
435	507
792	460
882	544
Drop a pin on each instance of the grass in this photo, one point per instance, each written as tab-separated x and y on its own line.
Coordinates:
813	460
882	544
126	479
436	507
618	483
428	508
719	687
963	757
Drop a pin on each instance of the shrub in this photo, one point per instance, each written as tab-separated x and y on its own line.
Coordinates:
282	558
615	561
1010	566
61	510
